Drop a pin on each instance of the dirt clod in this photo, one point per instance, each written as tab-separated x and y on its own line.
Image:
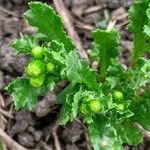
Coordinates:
44	106
18	127
72	133
26	116
71	147
26	140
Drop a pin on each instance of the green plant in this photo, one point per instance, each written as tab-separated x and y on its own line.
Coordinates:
38	52
90	93
118	96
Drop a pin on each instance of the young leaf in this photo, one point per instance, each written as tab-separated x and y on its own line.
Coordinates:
58	52
24	45
139	75
49	85
147	27
66	110
115	74
106	47
138	20
75	104
78	71
69	98
49	23
70	107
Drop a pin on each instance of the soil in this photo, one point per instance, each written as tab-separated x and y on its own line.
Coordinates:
35	130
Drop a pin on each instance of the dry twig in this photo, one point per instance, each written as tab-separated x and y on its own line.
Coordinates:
86	133
93	9
5	113
84	26
111	25
52	128
56	140
2	9
45	146
62	10
2	104
10	142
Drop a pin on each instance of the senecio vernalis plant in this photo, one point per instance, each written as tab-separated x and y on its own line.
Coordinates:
111	99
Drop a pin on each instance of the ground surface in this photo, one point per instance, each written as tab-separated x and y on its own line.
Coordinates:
39	129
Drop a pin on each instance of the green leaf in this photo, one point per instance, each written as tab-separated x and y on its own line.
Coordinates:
138	26
147	30
71	88
147	27
142	113
66	110
58	52
57	46
69	100
70	107
139	75
103	136
48	86
88	119
129	134
49	23
110	140
95	130
115	74
24	45
75	104
78	71
23	94
137	16
106	47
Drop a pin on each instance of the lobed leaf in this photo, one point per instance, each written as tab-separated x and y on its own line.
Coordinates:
129	134
48	23
139	21
78	71
24	45
142	113
106	47
69	100
23	94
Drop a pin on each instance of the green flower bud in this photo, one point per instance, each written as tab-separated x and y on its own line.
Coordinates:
35	68
38	52
37	81
118	96
95	106
50	67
